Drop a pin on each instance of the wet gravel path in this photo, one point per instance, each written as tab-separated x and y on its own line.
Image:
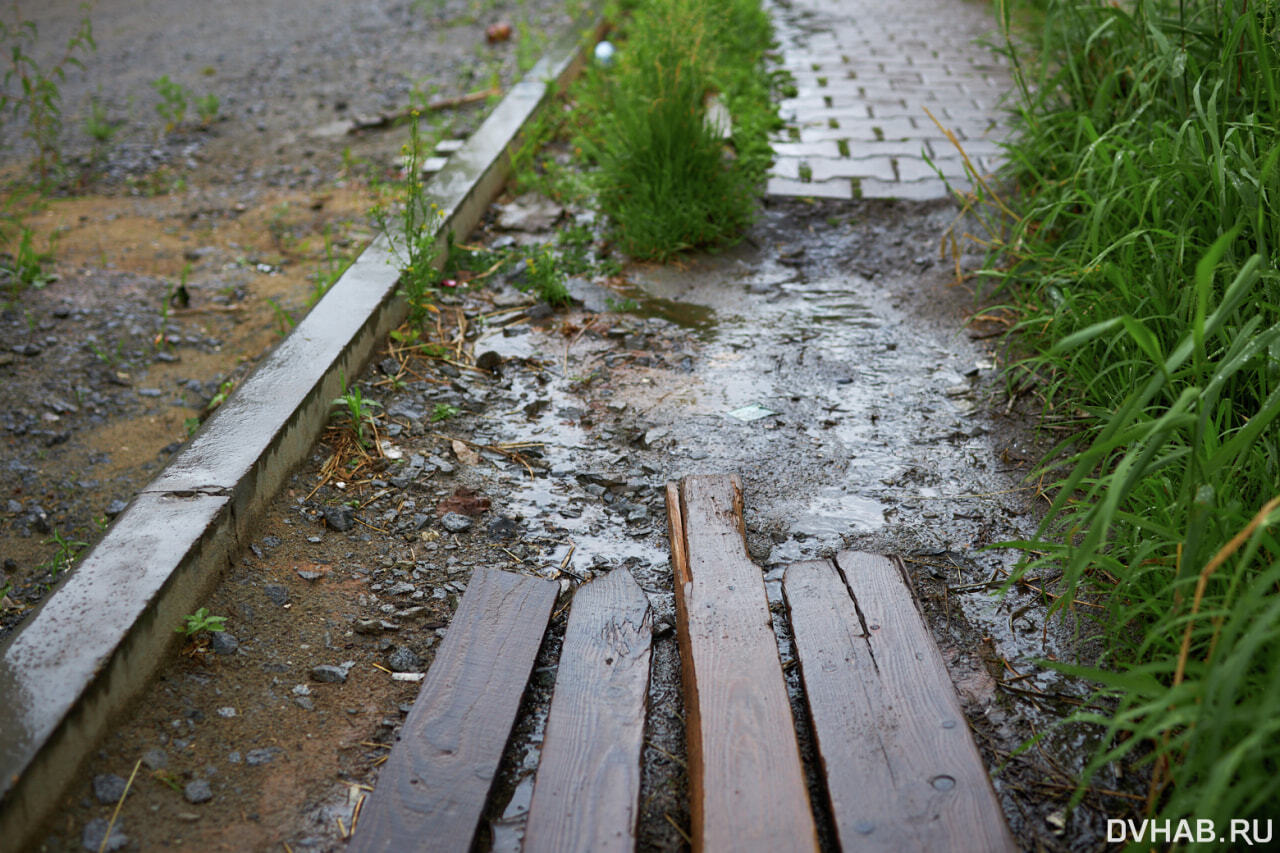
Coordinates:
824	360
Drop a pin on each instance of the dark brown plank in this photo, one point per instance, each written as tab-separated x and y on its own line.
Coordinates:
432	790
586	797
746	782
902	769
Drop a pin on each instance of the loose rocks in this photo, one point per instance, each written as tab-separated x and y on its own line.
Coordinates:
108	788
329	674
96	830
197	791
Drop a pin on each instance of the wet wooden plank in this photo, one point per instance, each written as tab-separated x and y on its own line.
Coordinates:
432	790
586	796
902	769
747	787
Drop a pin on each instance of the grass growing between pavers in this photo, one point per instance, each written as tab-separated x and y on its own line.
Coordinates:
1141	257
644	148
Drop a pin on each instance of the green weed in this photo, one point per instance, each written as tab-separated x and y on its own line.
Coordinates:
200	621
172	106
26	267
283	319
411	226
67	551
1141	251
442	412
38	95
544	276
329	273
358	410
207	107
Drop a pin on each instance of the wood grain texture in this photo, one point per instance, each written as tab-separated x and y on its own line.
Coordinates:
747	786
902	770
586	796
432	790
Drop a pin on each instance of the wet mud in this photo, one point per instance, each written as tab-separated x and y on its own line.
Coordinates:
826	360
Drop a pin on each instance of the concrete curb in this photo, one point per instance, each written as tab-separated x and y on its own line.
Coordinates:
94	643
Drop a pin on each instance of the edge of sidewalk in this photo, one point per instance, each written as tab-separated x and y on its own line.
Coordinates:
95	642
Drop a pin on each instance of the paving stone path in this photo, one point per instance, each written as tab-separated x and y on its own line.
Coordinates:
865	71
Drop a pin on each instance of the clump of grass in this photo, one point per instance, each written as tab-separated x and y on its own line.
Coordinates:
664	174
545	276
1141	252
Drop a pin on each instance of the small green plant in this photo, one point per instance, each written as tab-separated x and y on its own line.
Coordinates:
284	320
329	273
442	412
201	620
412	228
621	306
227	386
358	410
544	276
99	128
109	357
172	106
207	107
38	87
25	268
67	551
191	425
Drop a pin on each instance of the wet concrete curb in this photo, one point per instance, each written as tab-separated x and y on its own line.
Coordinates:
95	642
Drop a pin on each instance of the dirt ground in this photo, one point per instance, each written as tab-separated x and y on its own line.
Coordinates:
180	257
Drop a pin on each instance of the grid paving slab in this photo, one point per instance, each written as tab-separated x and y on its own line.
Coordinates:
865	73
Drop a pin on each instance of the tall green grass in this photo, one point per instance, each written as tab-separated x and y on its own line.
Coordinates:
1142	256
661	172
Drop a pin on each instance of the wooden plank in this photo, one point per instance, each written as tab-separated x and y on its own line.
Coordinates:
432	790
586	797
903	772
747	786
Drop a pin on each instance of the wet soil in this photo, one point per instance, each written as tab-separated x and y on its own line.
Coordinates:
886	430
181	256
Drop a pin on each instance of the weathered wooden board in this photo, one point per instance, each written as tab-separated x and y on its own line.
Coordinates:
902	769
432	790
747	786
586	796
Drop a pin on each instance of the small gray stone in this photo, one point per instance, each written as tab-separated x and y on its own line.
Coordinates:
115	508
96	830
155	759
108	788
223	643
340	518
455	522
404	660
233	757
197	791
257	757
304	702
278	594
309	576
328	674
226	712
